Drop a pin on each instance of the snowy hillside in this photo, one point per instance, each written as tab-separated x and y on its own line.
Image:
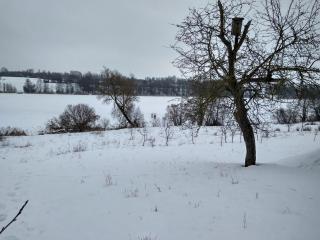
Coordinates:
108	186
18	83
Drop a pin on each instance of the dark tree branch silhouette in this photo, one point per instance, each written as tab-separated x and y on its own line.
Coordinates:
15	218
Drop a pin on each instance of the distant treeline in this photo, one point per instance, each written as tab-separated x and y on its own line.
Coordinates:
89	82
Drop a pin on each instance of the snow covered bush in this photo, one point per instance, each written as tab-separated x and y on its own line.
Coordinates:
75	118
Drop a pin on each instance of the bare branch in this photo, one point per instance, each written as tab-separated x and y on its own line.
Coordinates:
15	218
222	36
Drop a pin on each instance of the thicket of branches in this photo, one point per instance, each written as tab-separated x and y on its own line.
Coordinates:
75	118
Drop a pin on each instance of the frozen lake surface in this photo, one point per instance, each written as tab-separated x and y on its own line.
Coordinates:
32	111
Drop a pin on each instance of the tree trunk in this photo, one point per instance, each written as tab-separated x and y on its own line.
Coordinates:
247	131
124	113
304	110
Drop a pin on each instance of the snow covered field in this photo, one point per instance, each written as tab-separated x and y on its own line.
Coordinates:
32	111
108	186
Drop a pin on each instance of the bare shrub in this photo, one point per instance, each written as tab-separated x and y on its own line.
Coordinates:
148	237
144	133
136	117
75	118
155	122
62	151
192	130
176	114
316	132
28	144
132	134
307	129
12	131
234	180
198	111
104	123
80	147
167	131
315	115
152	141
223	130
131	193
244	221
108	180
286	116
216	112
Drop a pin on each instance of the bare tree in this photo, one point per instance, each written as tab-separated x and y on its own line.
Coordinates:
75	118
275	47
120	90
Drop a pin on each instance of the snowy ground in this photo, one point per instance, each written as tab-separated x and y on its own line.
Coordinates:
108	186
32	111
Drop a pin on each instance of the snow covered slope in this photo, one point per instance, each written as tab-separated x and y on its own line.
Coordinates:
18	82
108	186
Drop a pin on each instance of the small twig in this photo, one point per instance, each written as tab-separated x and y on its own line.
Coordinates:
159	189
15	218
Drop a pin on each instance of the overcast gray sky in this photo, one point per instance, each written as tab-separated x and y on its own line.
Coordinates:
131	36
